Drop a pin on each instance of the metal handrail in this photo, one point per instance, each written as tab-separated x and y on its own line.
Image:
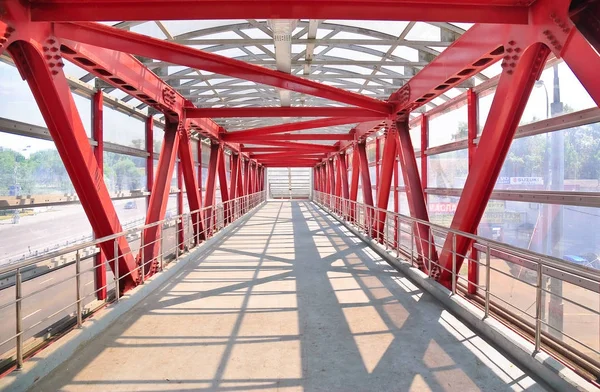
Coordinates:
367	219
214	217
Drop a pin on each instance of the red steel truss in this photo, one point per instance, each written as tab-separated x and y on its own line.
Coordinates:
41	34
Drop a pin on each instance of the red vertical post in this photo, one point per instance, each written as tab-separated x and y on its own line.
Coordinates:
211	185
54	98
424	144
188	172
473	274
98	135
180	223
150	158
385	182
414	193
365	176
331	178
241	179
200	169
377	164
507	108
247	172
396	201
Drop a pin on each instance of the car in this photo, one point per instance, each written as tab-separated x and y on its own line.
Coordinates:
130	205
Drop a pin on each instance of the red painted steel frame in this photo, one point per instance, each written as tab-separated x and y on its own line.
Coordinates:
223	185
233	137
354	181
98	135
235	167
505	11
159	197
472	121
180	227
142	45
385	182
509	102
365	175
279	112
331	177
414	193
191	182
52	93
297	126
211	185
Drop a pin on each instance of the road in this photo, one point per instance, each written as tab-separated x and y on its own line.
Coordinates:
49	228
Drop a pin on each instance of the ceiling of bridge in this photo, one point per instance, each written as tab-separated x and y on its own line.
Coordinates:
366	57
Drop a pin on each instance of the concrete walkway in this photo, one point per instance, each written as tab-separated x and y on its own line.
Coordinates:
288	301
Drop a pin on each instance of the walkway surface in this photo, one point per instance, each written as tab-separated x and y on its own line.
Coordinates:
289	301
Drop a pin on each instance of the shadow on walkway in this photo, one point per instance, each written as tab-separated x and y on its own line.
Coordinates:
288	301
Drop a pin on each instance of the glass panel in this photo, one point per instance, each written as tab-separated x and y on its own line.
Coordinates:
441	209
415	137
122	129
371	152
124	173
484	104
448	127
174	178
16	100
194	145
205	154
560	231
158	136
448	170
564	160
31	166
27	232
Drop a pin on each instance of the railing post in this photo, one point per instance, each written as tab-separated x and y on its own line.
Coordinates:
538	307
487	281
78	288
412	243
454	277
162	249
430	235
143	274
19	318
116	263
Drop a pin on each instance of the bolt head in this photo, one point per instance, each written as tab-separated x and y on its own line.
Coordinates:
50	41
54	72
10	29
509	50
510	72
511	43
515	57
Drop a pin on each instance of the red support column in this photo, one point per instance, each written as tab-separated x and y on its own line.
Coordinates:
338	182
247	174
385	182
414	193
424	144
241	179
354	182
473	274
98	135
51	91
188	172
507	108
396	201
233	188
331	180
150	158
180	223
211	186
159	197
365	176
223	186
343	171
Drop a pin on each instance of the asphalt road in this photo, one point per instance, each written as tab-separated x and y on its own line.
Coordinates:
52	227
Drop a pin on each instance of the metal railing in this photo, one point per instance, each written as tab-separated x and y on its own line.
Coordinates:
552	302
175	236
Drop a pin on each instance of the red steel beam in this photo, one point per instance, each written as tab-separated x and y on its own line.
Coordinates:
180	228
297	126
468	11
53	96
233	137
288	154
507	108
223	185
385	181
299	146
157	206
331	177
235	167
365	176
279	112
414	192
211	186
128	42
354	181
473	125
278	150
98	135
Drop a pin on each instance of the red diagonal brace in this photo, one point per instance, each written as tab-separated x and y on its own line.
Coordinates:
235	167
52	93
354	181
159	197
507	108
385	182
191	183
211	187
223	186
414	193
